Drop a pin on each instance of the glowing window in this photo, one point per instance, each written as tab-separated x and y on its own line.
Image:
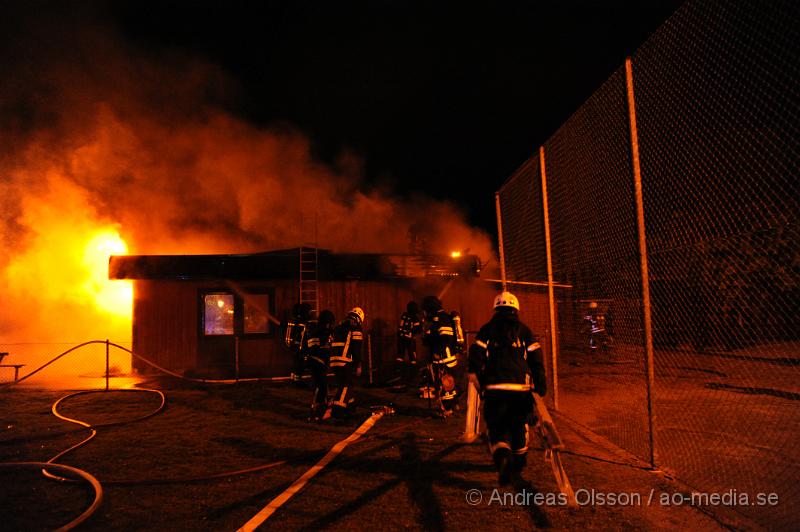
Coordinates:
255	314
218	314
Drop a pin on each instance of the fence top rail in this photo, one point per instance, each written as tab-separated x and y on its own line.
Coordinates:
533	160
529	283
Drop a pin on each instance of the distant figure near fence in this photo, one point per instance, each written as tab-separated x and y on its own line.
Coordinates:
594	327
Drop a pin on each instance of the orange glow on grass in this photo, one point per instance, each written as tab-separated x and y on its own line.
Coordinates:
114	297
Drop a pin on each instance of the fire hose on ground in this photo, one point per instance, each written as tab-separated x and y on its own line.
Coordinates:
76	475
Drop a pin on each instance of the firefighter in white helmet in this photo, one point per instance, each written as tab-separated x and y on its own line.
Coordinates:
345	361
506	361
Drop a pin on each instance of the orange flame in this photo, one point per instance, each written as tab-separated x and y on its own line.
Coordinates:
115	297
57	276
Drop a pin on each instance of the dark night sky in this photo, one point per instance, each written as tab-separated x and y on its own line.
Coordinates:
431	95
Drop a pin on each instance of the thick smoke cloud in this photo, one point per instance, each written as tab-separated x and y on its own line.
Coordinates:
96	135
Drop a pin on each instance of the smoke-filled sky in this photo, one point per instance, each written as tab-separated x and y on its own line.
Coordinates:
190	127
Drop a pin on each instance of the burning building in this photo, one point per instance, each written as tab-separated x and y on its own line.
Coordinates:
220	315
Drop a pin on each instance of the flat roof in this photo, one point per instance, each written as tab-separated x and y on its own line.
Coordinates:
285	264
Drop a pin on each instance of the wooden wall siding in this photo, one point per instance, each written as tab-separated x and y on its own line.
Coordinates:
165	323
474	299
382	301
269	357
167	316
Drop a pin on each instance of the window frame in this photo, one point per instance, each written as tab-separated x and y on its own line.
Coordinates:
203	297
238	311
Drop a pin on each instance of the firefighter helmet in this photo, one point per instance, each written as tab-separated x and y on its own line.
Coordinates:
431	304
326	317
412	307
302	311
357	313
506	299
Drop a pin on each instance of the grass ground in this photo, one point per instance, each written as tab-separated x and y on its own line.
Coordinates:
411	471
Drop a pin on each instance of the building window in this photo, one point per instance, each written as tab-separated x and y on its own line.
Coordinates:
256	310
218	314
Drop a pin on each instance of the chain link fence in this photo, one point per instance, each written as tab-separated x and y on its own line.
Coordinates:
716	97
67	365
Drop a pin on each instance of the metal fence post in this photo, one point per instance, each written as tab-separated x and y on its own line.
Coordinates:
550	296
500	240
107	364
648	332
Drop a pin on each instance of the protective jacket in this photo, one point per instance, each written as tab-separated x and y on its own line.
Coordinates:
440	338
317	346
507	356
346	343
409	326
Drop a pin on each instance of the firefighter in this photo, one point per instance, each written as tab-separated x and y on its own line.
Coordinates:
294	338
408	329
439	337
594	327
345	359
318	351
505	361
458	332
